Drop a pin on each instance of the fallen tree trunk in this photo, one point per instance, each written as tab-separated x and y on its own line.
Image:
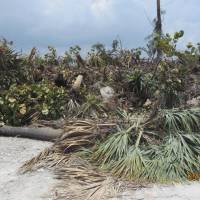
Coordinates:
45	134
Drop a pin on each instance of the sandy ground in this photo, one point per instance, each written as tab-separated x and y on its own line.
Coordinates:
190	191
30	186
37	185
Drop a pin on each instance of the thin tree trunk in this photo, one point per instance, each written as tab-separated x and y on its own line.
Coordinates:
158	28
159	20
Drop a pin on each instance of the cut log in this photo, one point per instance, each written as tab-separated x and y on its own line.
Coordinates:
77	84
45	134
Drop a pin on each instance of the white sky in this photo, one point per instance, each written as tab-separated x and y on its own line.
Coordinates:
63	23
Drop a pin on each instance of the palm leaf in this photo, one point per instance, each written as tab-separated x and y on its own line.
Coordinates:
181	120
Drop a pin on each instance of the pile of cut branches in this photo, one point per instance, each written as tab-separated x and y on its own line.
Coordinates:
165	148
162	149
126	116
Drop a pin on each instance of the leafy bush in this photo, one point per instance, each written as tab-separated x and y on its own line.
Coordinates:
21	103
142	83
173	69
13	68
51	57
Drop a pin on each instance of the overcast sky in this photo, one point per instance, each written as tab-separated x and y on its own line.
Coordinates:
63	23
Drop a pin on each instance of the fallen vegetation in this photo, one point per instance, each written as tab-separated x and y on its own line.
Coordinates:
122	111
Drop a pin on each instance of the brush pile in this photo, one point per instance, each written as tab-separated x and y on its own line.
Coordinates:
123	111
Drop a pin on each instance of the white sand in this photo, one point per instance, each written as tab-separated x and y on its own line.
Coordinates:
189	191
37	185
30	186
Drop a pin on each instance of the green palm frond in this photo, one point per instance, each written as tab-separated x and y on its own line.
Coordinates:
174	159
181	120
131	166
126	154
130	117
118	144
114	148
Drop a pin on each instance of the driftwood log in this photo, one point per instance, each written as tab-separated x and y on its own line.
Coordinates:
45	134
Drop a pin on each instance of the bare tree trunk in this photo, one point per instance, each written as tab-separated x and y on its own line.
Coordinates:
158	28
46	134
159	20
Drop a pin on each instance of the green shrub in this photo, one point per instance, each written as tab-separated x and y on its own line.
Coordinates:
142	83
22	103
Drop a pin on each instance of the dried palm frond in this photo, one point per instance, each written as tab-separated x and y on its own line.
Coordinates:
76	136
80	180
33	163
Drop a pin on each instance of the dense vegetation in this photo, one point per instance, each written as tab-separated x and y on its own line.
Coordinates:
154	101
